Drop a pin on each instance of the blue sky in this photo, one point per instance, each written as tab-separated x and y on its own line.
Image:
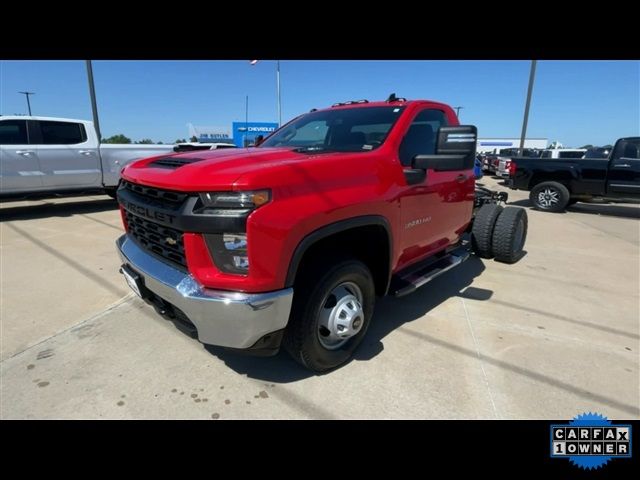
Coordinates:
575	102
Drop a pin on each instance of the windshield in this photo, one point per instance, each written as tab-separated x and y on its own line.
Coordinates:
340	130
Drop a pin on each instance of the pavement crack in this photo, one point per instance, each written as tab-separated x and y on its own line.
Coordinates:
477	347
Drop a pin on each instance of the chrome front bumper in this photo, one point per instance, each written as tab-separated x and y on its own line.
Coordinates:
227	319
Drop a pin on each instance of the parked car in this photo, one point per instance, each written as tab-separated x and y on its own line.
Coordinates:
46	155
290	243
504	160
564	153
492	163
554	184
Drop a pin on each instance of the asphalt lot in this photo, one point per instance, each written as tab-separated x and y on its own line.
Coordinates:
552	336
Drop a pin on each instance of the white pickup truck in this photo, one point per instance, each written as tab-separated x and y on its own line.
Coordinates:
42	155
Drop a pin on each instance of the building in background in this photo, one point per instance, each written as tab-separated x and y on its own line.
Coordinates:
209	134
245	133
494	145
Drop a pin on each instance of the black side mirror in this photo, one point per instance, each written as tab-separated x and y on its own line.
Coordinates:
259	139
455	150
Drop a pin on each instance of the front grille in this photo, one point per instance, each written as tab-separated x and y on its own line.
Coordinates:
174	162
166	197
166	243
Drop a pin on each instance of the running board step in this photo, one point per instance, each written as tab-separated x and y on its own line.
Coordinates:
417	277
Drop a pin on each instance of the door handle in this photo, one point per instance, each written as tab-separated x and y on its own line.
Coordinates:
85	152
623	165
461	178
25	153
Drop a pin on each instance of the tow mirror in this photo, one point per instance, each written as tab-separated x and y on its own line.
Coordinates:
455	150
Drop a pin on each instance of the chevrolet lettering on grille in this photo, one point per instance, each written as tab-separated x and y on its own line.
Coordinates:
148	213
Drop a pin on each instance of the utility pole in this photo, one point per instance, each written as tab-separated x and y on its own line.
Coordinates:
94	105
26	94
525	121
457	109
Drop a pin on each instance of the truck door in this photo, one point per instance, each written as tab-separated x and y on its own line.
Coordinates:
67	157
19	166
435	206
624	169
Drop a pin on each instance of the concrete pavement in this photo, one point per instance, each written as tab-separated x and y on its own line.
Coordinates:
550	337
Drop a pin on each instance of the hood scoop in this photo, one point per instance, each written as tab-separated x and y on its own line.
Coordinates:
175	162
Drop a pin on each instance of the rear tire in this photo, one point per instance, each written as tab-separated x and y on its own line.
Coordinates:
550	196
509	234
340	295
482	230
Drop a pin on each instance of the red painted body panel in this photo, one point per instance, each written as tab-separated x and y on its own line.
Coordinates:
312	191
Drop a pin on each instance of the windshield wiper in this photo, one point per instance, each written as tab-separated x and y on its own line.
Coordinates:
312	149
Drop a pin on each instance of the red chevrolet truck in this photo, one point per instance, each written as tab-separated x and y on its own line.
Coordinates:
290	242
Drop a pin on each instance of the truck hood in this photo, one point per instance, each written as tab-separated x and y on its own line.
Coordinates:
209	169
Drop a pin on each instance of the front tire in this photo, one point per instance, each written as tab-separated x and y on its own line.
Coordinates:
331	312
550	197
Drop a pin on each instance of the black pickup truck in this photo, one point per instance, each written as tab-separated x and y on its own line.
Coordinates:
557	183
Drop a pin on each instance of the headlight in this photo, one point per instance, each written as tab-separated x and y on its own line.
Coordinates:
219	202
229	251
230	211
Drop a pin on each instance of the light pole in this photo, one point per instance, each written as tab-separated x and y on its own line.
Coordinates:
278	92
246	122
94	105
457	109
532	76
26	94
279	97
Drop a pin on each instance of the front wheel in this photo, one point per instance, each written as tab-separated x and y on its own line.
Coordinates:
550	196
331	312
113	191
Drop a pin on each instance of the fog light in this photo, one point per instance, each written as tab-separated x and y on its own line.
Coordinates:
241	262
234	241
229	252
237	244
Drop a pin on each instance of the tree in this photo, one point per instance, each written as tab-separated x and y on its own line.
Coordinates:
587	146
194	139
120	138
145	141
180	140
608	147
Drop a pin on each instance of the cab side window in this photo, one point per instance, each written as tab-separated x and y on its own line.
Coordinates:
62	133
421	137
13	132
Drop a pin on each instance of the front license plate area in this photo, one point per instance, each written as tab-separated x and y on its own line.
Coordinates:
133	279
